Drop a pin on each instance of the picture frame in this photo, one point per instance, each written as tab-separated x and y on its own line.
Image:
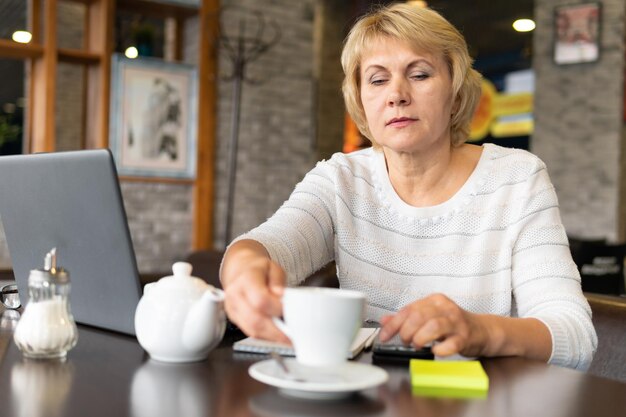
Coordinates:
577	33
186	3
192	4
153	118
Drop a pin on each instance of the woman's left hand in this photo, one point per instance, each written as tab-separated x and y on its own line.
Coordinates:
438	318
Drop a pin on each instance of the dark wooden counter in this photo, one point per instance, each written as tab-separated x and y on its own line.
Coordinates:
110	375
609	319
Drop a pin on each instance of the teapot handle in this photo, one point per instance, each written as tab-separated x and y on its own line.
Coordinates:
207	311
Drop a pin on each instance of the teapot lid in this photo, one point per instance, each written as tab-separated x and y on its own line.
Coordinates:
182	279
182	269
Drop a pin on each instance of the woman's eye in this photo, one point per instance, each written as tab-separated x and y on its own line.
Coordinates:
377	81
420	76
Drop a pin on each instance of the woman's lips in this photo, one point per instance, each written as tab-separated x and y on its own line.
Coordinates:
400	121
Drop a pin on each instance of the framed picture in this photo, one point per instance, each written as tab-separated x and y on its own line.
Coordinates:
577	33
153	117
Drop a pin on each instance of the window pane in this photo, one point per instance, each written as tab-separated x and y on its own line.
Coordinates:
12	103
147	34
12	17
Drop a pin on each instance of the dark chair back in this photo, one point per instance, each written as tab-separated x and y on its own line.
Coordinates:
325	277
601	265
609	319
206	265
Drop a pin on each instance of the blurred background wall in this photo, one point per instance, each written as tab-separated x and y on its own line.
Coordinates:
292	115
579	123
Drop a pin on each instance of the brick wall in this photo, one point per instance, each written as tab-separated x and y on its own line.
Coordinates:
276	143
69	110
578	123
160	220
70	79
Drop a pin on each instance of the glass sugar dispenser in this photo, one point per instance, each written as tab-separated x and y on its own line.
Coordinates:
47	329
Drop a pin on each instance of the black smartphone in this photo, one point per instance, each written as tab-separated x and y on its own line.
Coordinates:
394	351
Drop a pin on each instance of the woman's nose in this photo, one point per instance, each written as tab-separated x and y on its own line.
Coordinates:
398	95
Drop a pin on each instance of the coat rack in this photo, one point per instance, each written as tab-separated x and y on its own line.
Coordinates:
255	36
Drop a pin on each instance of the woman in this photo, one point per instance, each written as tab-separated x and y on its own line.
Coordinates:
451	242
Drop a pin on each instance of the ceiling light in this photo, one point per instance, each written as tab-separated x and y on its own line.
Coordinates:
131	52
22	36
524	25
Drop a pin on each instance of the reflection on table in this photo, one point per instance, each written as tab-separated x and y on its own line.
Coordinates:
108	374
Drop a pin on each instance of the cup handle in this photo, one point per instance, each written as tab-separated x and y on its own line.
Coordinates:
281	326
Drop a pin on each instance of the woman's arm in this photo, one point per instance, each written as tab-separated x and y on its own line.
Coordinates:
253	285
437	318
293	243
507	336
545	281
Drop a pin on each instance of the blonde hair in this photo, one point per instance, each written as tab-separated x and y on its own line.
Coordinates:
424	30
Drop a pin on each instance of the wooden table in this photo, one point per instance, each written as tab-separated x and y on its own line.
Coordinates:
108	374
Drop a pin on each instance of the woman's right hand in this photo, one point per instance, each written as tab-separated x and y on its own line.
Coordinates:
253	285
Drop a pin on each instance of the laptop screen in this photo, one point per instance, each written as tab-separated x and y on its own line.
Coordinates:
72	201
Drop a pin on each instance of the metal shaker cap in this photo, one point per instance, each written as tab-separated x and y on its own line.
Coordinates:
50	272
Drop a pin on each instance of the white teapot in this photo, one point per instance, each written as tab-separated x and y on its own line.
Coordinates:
180	318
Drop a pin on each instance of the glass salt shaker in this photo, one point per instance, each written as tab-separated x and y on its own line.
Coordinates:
47	328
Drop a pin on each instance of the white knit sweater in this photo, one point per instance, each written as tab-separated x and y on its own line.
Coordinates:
497	246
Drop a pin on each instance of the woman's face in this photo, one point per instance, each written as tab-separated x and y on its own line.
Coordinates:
407	96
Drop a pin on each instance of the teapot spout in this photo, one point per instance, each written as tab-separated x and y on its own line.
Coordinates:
205	322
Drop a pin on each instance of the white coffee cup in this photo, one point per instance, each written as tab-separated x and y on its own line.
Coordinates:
321	323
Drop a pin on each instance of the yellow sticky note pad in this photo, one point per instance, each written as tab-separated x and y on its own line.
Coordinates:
465	379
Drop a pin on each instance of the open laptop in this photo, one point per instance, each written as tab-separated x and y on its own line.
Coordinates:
72	201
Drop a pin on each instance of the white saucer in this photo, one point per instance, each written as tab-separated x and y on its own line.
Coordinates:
319	383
